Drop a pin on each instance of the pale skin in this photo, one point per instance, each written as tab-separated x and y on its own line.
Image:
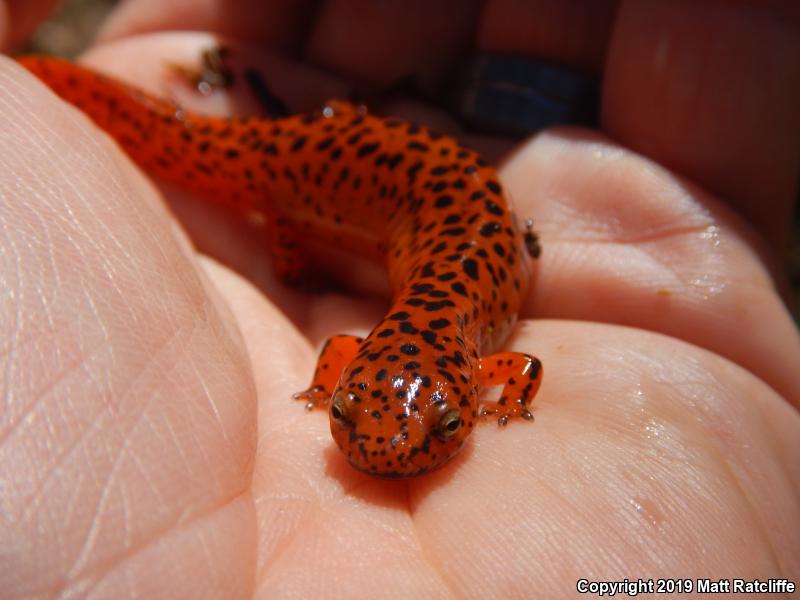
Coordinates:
148	441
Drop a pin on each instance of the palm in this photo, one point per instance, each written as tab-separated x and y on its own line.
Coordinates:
171	445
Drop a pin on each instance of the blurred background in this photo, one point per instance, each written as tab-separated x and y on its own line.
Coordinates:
71	28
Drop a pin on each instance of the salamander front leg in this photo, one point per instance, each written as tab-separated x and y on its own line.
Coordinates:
337	353
519	374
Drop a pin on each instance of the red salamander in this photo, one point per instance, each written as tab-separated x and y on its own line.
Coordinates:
403	400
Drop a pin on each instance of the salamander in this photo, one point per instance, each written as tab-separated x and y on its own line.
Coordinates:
402	400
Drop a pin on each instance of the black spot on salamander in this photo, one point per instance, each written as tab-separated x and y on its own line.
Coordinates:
427	270
414	169
434	306
298	144
395	160
429	336
454	231
443	201
421	288
438	323
380	375
489	229
386	333
447	375
470	268
438	247
367	149
399	316
325	144
459	288
493	208
493	187
409	349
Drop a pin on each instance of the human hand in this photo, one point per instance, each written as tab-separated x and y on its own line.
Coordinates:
149	444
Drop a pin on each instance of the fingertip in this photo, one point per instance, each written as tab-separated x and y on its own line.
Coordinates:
573	33
280	25
711	90
384	42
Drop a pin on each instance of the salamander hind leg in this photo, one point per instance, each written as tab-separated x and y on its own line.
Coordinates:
288	260
336	354
519	374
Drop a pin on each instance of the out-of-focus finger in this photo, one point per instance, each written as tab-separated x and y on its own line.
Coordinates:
572	32
280	25
712	90
384	42
18	19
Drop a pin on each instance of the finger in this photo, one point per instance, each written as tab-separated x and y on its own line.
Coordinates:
573	33
625	241
642	449
280	25
711	90
128	401
383	42
18	19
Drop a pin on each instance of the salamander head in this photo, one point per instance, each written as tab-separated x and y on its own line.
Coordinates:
392	420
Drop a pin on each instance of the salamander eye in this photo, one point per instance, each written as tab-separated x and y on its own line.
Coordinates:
339	411
449	424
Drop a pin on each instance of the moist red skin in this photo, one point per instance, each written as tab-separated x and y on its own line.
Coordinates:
432	210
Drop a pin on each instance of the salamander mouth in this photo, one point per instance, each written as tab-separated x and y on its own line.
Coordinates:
393	474
390	473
